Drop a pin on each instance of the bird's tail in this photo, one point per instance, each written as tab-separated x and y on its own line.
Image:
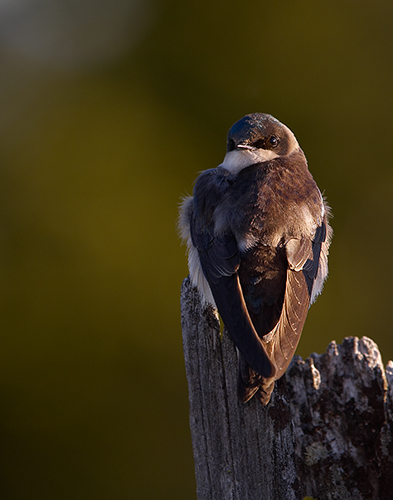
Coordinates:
250	384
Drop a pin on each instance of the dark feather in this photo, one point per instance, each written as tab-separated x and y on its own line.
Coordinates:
230	302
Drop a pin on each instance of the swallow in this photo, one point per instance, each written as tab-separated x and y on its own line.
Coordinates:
258	236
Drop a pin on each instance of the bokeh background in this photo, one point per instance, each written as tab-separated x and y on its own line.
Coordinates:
108	111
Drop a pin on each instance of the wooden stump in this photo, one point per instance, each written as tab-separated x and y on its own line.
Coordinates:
327	432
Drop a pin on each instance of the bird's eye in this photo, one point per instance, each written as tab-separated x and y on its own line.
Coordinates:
273	141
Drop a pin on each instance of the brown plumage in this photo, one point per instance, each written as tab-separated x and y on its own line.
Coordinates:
258	238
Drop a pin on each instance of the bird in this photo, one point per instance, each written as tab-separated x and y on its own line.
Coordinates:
257	234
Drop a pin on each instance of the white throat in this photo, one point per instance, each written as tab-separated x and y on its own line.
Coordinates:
238	159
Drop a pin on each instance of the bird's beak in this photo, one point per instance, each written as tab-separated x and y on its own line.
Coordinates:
244	146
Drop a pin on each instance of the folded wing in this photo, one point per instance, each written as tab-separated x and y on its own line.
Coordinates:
268	355
220	260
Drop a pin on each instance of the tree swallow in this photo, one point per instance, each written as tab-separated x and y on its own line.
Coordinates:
258	236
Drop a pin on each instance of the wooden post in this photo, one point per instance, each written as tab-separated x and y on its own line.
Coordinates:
327	432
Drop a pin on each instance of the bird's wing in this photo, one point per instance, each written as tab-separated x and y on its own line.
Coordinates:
304	257
220	260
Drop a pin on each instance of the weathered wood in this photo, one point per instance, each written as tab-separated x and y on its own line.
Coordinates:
327	432
342	414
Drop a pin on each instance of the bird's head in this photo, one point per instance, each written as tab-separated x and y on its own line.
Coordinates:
257	138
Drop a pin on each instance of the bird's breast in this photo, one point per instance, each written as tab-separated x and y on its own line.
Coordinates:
269	204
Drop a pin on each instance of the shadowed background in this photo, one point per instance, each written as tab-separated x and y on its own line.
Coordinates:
108	111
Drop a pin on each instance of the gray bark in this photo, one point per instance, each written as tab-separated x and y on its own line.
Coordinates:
326	433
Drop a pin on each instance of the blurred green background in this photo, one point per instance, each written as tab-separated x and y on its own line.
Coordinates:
108	111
